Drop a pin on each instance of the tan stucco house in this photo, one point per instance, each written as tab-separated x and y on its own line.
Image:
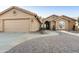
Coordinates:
15	19
55	22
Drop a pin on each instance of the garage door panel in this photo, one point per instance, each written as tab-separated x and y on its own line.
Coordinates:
16	25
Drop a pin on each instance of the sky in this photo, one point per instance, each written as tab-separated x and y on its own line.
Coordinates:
45	11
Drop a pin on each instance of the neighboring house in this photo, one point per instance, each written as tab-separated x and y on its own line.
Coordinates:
55	22
15	19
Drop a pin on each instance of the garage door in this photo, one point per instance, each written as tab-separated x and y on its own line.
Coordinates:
16	26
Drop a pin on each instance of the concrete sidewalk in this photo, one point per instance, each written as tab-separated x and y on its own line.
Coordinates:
75	34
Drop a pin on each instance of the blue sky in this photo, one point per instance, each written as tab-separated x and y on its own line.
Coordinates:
44	11
72	11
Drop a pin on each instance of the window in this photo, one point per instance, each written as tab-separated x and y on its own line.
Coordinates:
61	25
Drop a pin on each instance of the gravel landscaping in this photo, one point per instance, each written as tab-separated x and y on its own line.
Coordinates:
62	43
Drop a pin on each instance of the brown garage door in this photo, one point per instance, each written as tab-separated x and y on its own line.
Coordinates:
16	25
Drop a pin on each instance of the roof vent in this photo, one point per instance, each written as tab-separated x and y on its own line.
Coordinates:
14	12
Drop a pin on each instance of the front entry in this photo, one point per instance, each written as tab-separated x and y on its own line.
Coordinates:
47	25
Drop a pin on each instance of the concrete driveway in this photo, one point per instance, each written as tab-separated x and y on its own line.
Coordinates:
6	39
9	40
62	43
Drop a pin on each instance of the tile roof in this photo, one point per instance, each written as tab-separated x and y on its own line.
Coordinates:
21	9
63	17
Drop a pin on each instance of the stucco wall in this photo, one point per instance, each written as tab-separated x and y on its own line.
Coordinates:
35	26
19	14
57	23
1	25
71	24
52	23
68	24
